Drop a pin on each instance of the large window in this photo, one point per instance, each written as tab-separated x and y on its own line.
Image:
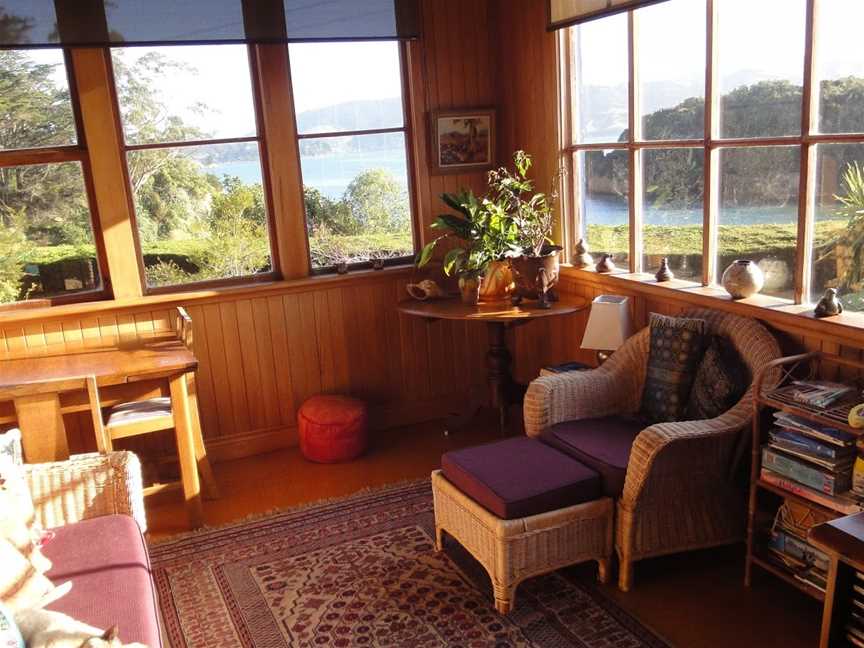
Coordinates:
349	105
194	163
768	166
47	246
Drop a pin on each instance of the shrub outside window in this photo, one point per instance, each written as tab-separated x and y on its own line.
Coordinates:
47	245
765	161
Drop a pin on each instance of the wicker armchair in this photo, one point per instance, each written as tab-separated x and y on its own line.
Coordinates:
680	490
87	486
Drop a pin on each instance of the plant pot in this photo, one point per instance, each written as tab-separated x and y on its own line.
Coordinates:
742	279
497	283
469	289
535	276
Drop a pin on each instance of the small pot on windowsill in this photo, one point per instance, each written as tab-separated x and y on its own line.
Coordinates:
342	267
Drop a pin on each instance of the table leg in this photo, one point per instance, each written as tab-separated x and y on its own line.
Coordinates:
186	449
43	434
498	365
211	489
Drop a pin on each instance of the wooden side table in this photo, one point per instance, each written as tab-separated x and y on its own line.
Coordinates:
498	317
843	540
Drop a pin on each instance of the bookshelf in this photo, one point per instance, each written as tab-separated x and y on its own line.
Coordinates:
773	391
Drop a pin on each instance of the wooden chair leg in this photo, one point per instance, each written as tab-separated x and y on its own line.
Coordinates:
625	575
603	570
186	450
205	470
439	538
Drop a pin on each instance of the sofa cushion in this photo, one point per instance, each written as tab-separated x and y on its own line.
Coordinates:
677	346
601	443
106	560
721	380
519	477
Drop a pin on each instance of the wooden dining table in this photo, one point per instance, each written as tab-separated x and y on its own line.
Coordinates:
35	383
498	317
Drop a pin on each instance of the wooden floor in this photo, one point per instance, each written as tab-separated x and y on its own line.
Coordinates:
694	600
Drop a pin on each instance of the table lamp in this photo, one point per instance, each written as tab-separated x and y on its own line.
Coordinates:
609	325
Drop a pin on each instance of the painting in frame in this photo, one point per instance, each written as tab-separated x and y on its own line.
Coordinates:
463	141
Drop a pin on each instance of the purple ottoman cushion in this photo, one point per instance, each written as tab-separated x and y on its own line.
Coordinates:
602	443
519	477
106	560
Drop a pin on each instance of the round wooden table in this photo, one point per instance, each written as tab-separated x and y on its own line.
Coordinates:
498	317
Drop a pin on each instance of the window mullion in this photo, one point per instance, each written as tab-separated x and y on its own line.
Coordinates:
711	197
635	157
807	182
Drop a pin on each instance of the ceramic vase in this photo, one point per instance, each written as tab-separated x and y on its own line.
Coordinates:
535	276
581	257
665	272
743	279
605	264
497	283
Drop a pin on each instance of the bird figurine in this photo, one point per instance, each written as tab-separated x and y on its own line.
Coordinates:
665	272
581	258
605	264
829	304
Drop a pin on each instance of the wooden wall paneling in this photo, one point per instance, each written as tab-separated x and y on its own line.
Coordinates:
263	341
234	364
212	322
281	359
302	349
251	371
332	349
207	402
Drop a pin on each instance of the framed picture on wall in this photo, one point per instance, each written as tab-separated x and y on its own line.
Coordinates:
463	141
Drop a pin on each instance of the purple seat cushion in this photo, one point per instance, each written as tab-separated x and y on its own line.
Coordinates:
602	443
106	560
519	477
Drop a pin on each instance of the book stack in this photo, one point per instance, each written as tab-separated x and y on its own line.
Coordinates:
855	623
820	393
811	460
808	564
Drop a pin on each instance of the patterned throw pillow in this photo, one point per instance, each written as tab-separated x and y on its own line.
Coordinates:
721	381
677	344
10	446
17	516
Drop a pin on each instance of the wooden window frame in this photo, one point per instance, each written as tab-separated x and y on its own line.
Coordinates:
79	153
275	272
407	129
711	143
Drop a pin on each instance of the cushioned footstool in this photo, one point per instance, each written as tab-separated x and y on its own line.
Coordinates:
522	508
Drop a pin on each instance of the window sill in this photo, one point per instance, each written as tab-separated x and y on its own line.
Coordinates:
252	289
847	326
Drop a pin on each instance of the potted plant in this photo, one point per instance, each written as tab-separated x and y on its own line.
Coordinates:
484	237
533	257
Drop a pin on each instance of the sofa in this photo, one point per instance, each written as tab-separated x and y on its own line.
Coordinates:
93	504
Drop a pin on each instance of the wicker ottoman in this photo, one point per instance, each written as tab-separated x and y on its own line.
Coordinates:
512	550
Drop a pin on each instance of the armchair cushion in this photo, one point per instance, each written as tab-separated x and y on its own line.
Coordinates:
677	347
519	477
721	380
601	443
106	560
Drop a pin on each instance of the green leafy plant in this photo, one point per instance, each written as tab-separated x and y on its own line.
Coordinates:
852	208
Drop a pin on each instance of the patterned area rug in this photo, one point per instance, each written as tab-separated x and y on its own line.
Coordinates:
362	571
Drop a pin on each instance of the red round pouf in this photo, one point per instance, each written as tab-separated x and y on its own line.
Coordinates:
332	428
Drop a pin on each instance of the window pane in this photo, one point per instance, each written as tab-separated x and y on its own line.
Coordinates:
363	89
35	109
600	72
183	93
357	201
672	210
604	205
46	235
759	212
201	212
838	255
840	67
761	72
672	70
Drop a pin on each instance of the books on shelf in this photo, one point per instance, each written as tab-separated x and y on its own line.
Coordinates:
820	393
805	472
814	430
844	503
793	441
786	543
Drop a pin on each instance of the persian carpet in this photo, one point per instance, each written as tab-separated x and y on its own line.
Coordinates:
362	571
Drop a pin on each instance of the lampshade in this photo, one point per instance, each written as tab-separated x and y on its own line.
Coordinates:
609	323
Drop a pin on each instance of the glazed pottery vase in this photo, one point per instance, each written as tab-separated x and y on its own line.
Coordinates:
605	264
535	276
497	283
469	289
665	272
743	279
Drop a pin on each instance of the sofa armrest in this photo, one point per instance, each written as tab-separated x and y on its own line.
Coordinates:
87	486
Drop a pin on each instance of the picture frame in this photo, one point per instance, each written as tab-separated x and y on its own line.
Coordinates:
463	141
